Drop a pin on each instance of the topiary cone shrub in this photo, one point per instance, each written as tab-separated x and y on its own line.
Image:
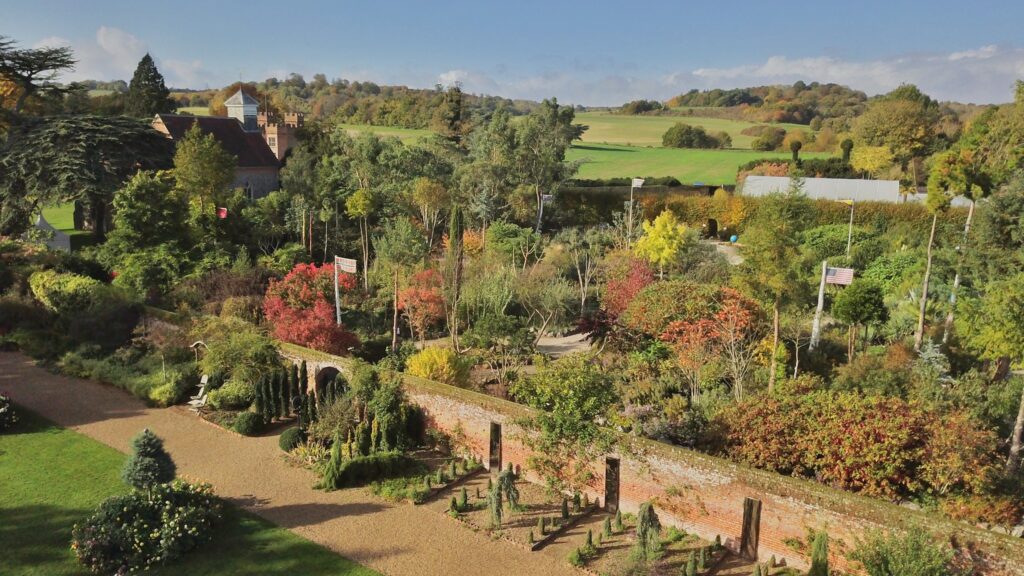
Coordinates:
149	464
606	528
565	509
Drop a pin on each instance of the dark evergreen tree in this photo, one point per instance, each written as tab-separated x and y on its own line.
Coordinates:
149	464
303	378
258	402
296	390
284	393
147	94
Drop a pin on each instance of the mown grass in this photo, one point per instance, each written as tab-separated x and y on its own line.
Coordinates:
608	128
194	110
51	478
713	167
62	217
403	134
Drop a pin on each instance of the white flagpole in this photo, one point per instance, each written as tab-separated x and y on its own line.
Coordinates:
337	299
816	326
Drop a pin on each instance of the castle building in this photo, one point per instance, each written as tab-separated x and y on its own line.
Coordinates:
258	142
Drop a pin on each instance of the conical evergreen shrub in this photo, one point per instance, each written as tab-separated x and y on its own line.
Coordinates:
819	555
149	464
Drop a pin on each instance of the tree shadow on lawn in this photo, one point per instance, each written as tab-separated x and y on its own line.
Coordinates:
313	513
601	148
248	544
37	539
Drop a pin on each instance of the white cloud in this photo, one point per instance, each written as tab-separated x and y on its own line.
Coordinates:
985	74
52	42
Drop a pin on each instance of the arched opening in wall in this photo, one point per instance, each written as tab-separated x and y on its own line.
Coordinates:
711	228
611	485
324	379
494	461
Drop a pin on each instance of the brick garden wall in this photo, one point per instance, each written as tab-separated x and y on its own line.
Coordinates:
699	493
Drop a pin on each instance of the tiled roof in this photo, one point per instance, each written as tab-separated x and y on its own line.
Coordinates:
249	148
241	99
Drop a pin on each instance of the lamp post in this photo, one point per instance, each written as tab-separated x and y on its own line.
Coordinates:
637	183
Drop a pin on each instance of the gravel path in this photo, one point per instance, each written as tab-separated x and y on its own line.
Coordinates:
397	540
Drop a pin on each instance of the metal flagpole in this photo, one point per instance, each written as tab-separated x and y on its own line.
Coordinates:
337	298
816	326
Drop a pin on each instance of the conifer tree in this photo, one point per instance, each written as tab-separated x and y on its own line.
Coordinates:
147	93
303	379
819	555
149	464
691	565
295	390
648	532
286	393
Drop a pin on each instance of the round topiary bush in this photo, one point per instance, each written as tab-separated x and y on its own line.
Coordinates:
291	438
248	424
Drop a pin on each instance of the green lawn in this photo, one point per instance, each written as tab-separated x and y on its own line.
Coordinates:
688	166
62	217
51	478
647	130
403	134
194	110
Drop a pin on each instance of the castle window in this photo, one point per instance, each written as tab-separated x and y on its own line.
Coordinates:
272	140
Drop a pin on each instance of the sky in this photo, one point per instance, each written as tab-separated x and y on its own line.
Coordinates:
594	53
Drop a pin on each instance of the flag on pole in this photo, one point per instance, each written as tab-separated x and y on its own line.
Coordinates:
345	264
848	201
841	276
638	182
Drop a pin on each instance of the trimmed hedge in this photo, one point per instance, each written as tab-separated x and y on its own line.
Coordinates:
362	470
248	424
291	438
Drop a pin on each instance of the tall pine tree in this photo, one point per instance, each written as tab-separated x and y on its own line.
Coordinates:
147	94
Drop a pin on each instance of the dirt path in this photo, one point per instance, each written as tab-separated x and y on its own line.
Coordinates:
394	539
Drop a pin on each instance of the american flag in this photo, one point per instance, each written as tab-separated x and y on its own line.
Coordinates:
843	276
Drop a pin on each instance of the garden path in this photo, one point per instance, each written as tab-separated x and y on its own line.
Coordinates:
400	540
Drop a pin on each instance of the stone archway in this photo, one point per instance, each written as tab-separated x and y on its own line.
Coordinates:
323	377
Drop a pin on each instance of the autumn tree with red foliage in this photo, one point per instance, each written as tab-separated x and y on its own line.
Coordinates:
422	302
300	308
625	281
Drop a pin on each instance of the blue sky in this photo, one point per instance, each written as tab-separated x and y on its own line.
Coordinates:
592	53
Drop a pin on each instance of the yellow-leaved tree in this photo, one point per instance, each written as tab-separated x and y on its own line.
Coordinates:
662	241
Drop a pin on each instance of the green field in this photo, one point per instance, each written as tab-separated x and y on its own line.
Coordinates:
194	110
51	478
62	217
688	166
606	128
403	134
